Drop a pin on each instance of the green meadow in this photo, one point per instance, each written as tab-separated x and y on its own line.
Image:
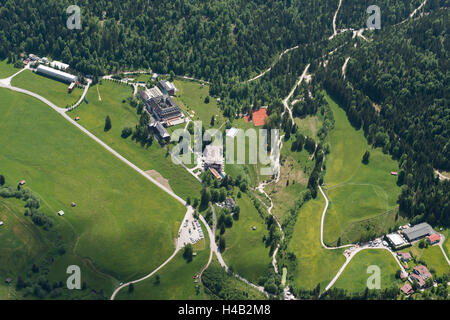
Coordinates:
356	191
432	256
315	265
53	90
22	244
122	225
295	170
191	99
355	276
245	251
175	280
92	117
7	69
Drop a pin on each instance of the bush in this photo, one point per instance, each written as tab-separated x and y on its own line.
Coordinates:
126	132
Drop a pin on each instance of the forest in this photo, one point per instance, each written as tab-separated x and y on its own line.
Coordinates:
398	92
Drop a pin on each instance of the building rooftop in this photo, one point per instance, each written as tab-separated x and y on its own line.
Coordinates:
434	237
418	231
396	239
213	154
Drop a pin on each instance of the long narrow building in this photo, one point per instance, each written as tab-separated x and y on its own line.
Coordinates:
56	74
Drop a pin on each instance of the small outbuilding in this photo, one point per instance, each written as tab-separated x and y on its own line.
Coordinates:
1	223
60	213
434	238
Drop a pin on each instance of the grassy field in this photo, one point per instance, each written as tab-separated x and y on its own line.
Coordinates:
54	91
191	99
309	126
245	250
92	117
354	278
22	243
432	256
7	69
356	191
122	224
176	279
314	264
295	170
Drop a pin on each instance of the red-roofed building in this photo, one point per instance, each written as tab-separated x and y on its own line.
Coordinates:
259	116
407	289
393	173
434	238
404	256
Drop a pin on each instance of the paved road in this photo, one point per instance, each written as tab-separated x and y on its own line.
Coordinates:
322	223
442	248
86	88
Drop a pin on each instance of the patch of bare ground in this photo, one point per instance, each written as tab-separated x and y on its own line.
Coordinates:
158	177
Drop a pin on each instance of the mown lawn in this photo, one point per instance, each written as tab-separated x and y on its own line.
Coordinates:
433	257
191	99
53	90
355	276
356	191
7	69
315	265
245	251
92	117
176	280
122	224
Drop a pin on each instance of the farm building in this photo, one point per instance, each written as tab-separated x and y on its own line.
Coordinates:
421	274
167	87
434	238
71	87
59	65
404	256
215	173
1	223
396	240
160	131
407	289
213	158
56	74
60	213
418	231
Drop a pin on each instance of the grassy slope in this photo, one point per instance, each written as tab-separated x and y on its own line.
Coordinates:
356	191
53	90
432	256
245	251
314	264
191	97
295	168
122	222
21	243
7	69
92	116
176	282
354	278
